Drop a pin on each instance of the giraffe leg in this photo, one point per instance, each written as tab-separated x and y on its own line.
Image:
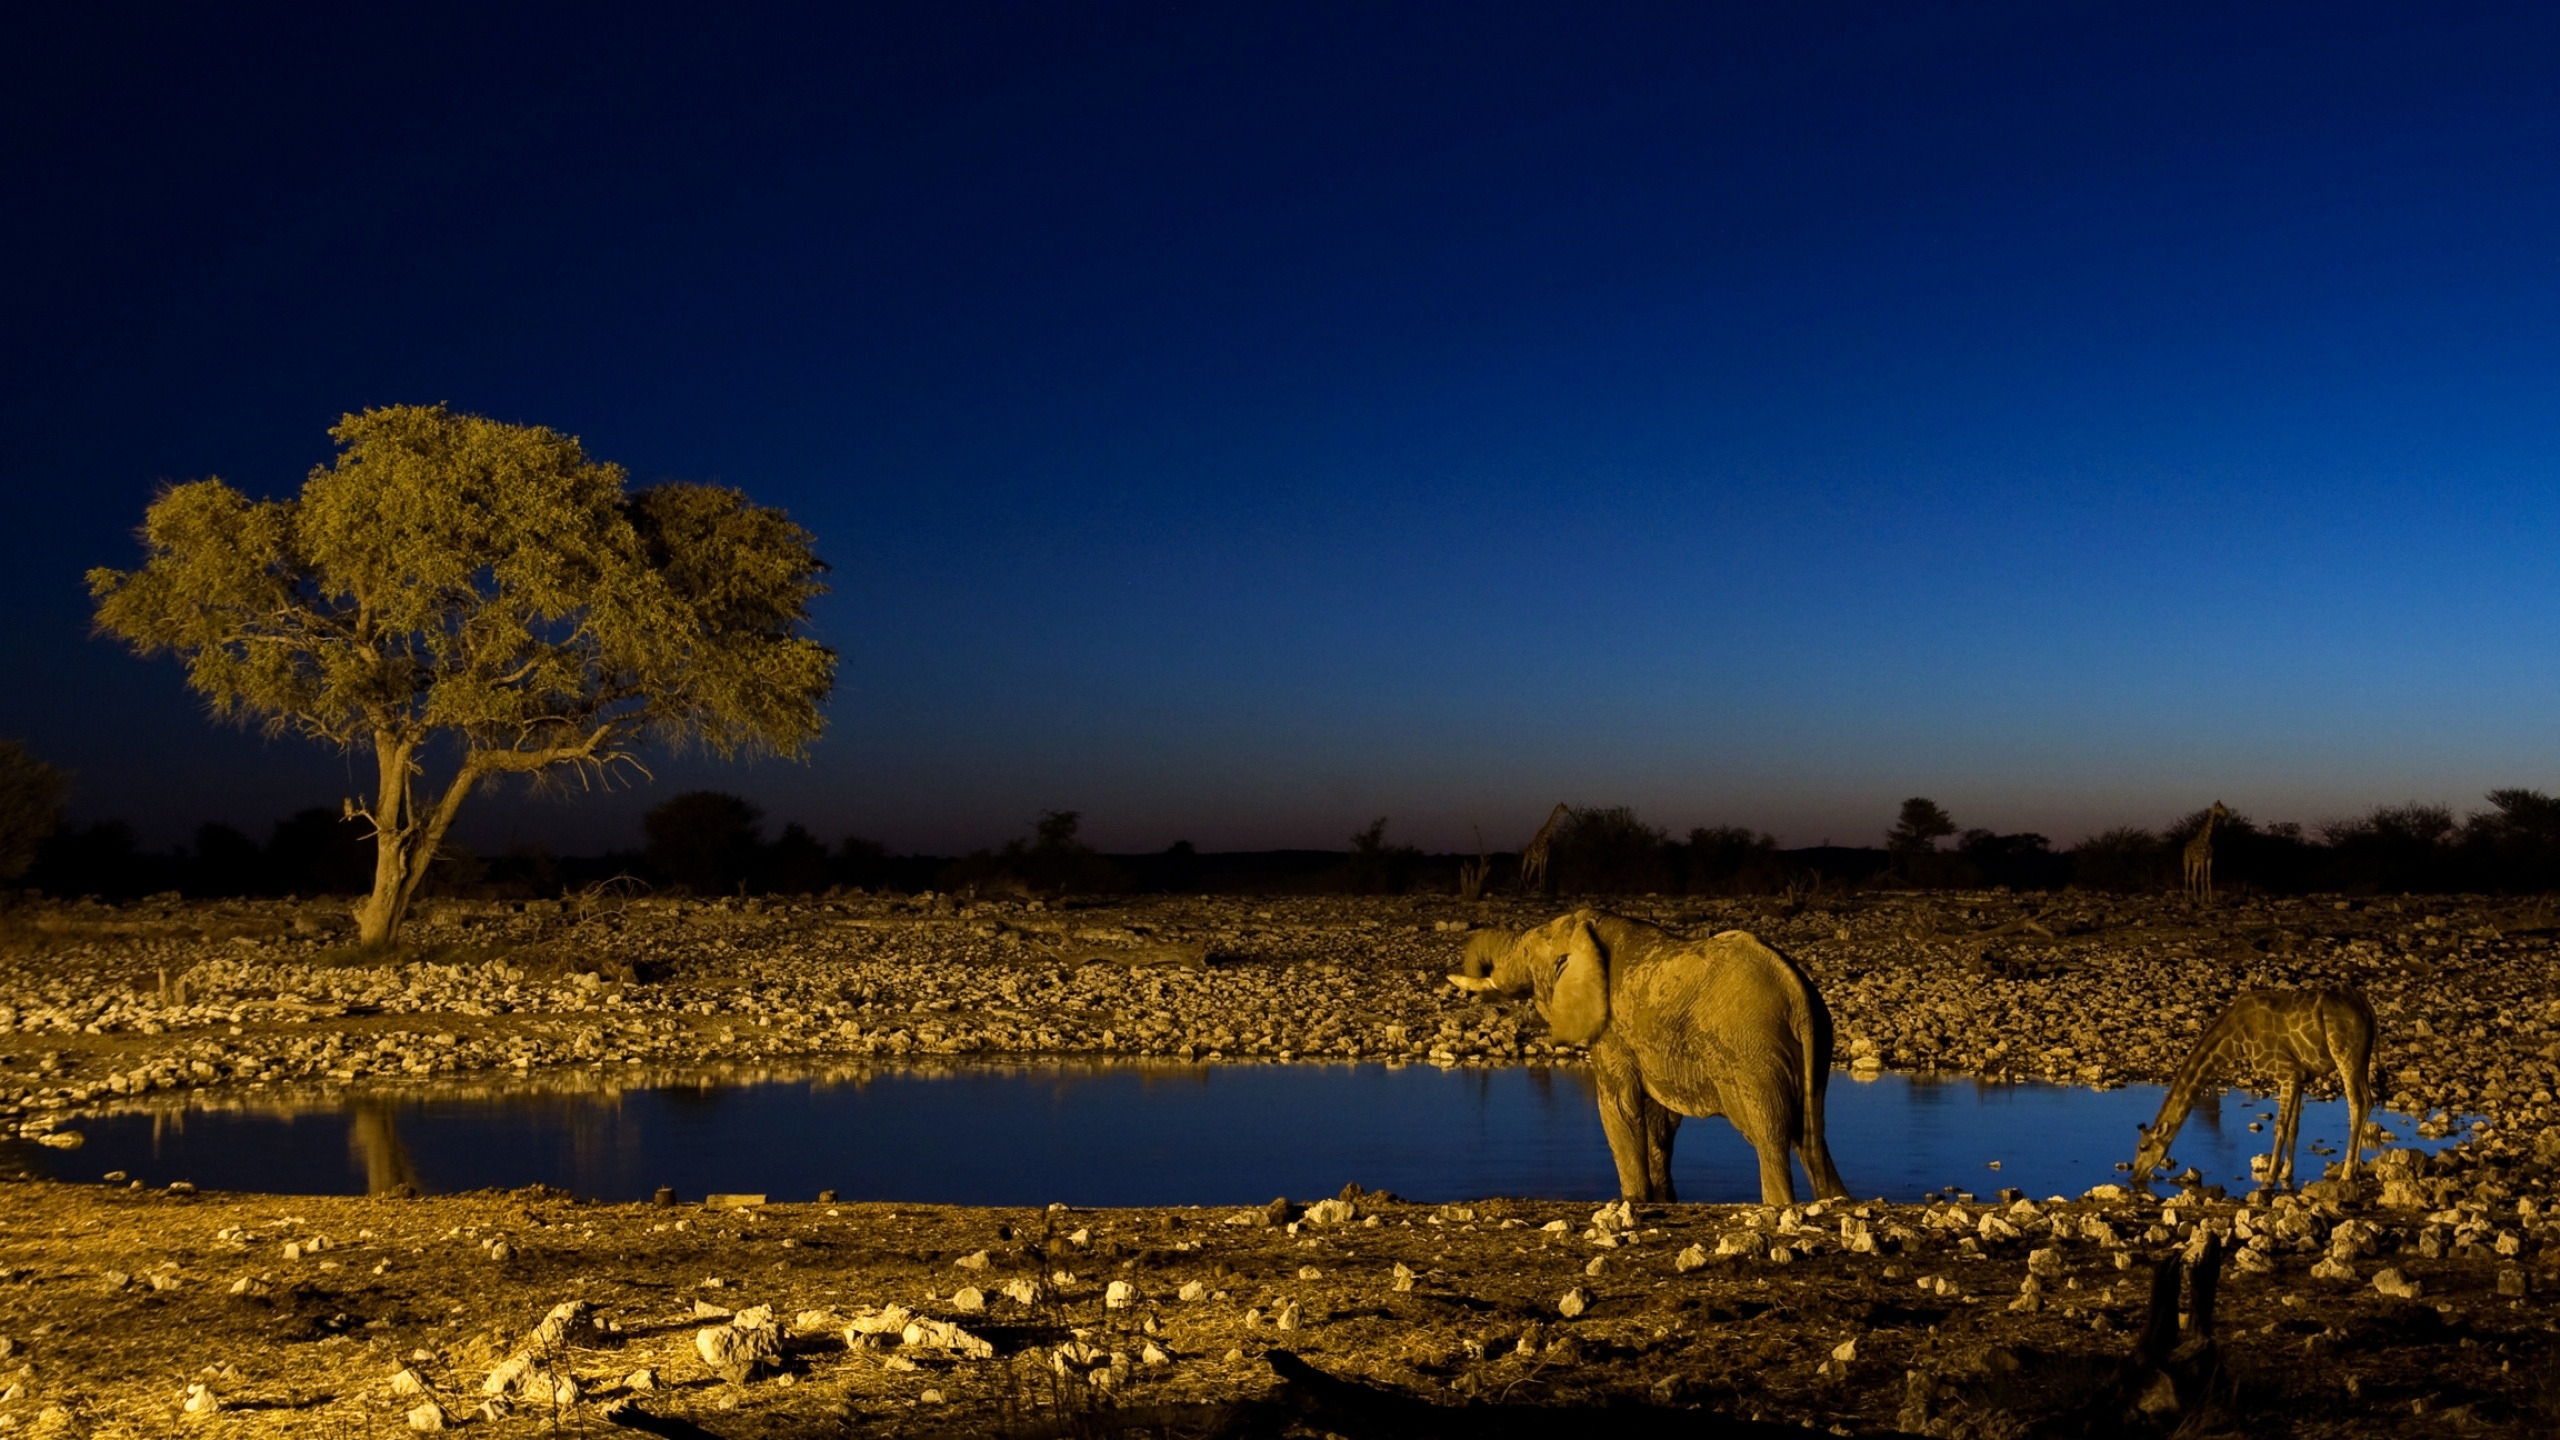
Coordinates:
2288	1123
2354	1073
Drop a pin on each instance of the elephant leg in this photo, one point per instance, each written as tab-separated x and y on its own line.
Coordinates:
1624	1118
1771	1129
1662	1126
1827	1184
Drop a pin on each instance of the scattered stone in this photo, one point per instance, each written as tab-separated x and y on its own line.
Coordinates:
968	1300
1331	1212
1693	1258
2391	1282
200	1400
735	1352
1119	1295
927	1334
427	1416
1573	1302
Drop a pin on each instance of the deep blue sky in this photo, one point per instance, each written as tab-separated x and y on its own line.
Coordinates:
1240	422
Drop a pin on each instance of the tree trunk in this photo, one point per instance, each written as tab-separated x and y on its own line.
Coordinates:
378	918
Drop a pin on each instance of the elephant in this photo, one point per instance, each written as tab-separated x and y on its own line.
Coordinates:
1724	1026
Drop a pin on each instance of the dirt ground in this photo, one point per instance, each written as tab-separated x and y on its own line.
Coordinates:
2418	1306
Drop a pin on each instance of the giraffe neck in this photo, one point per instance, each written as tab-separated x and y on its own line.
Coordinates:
2183	1086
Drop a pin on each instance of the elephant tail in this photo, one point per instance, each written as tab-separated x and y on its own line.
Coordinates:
1814	1043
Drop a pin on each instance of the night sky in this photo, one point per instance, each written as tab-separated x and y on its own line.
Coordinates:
1237	423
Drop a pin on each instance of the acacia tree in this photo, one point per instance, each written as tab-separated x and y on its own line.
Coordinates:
483	595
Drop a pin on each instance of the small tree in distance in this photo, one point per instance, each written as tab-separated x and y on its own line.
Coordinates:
453	586
1922	825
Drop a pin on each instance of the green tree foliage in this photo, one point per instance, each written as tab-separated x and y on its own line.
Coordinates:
31	796
486	593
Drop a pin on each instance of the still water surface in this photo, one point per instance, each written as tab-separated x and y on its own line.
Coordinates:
1143	1135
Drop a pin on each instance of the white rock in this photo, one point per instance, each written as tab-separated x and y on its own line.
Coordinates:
1846	1350
428	1416
2391	1282
201	1400
1690	1259
1193	1290
641	1379
1573	1303
1119	1295
887	1320
555	1327
407	1383
507	1374
734	1352
968	1300
927	1334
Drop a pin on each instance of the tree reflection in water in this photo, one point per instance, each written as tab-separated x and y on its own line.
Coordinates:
373	1137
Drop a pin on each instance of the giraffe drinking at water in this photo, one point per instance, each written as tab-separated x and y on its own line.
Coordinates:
2287	1036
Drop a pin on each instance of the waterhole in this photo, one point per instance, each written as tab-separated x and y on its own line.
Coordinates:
1088	1134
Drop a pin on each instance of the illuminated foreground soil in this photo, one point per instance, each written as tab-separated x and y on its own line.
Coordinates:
115	1302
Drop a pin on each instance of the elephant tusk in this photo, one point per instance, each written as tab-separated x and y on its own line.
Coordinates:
1472	984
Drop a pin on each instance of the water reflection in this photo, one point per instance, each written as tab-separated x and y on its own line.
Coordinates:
373	1133
1127	1133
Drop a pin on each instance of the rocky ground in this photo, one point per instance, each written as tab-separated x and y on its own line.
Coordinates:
2416	1306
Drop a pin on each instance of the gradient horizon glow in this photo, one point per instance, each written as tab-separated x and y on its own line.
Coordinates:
1237	426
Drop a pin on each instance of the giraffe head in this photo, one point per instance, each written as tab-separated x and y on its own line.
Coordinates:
2151	1154
2219	812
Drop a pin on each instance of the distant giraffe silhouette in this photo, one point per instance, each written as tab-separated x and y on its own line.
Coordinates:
2287	1036
1533	858
2200	855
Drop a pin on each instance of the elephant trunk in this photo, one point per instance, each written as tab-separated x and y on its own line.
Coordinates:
1485	949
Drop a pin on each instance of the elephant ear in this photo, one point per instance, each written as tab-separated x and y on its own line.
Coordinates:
1578	1007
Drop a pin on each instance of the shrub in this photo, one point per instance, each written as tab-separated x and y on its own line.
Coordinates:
1606	850
2126	860
1730	860
704	841
31	796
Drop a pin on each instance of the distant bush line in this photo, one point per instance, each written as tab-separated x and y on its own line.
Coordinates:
705	843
